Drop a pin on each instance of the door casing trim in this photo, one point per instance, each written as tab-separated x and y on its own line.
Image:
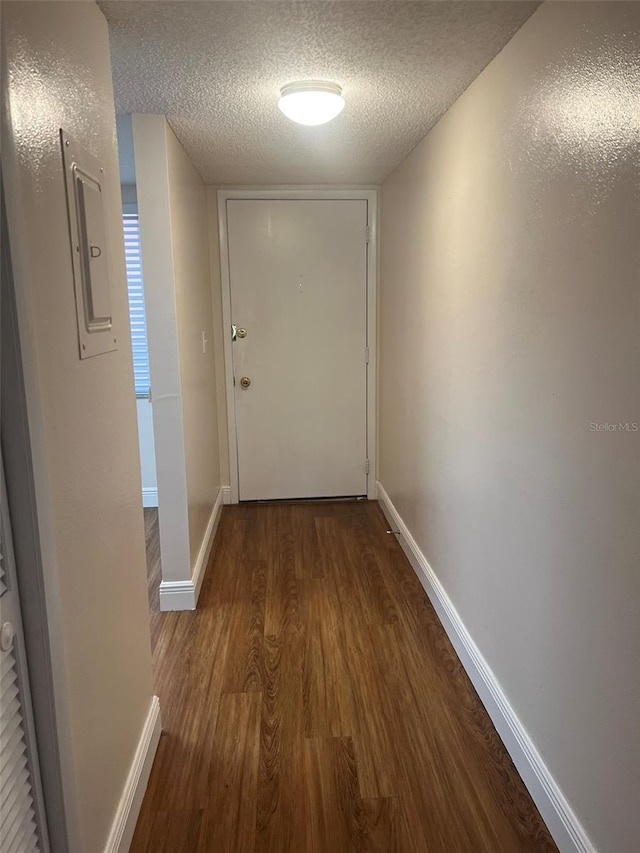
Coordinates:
368	194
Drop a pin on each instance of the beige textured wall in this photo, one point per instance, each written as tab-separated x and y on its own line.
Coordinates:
194	313
82	413
509	312
156	245
172	203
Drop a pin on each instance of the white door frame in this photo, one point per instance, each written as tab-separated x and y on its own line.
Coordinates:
311	194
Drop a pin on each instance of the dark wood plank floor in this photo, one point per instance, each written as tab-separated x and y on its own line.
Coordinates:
314	703
154	566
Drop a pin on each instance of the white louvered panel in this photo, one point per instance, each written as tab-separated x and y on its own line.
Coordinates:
19	762
17	818
15	791
3	586
17	807
10	735
21	838
10	705
8	676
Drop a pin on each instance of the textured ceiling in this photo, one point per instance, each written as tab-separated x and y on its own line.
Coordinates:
215	70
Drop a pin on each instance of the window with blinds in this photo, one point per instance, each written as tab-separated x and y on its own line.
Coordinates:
131	226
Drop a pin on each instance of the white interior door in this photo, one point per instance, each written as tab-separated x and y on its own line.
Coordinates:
298	278
22	826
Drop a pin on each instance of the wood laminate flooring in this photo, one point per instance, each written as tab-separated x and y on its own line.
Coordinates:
313	703
154	566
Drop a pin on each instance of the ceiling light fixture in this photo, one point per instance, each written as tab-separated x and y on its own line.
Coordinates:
311	101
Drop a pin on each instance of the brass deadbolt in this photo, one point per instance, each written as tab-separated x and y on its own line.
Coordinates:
245	382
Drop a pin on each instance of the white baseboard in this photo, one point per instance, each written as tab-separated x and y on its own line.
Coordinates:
177	595
555	809
207	544
126	817
183	595
226	494
150	497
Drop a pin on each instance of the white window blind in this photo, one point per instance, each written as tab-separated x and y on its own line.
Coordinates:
131	228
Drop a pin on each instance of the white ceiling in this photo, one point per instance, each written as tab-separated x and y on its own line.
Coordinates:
215	70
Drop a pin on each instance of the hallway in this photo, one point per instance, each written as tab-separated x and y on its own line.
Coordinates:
313	702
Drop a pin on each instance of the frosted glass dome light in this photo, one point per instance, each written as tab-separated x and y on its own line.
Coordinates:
311	101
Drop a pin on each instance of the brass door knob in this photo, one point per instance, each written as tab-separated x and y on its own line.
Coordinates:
242	333
245	382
